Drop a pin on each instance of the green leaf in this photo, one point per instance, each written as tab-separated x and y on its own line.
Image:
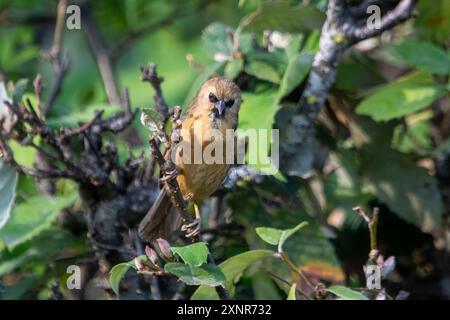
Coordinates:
346	293
276	236
402	97
289	232
408	191
117	273
312	43
119	270
30	218
41	249
296	71
19	289
206	275
264	288
23	154
8	183
309	249
233	68
425	56
194	254
217	42
292	290
257	110
262	71
294	45
270	235
282	16
232	268
416	138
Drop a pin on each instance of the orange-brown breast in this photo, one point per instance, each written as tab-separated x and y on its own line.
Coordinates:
198	181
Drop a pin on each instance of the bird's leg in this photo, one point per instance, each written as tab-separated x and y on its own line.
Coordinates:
193	228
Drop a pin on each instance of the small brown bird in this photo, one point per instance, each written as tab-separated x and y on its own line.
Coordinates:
215	108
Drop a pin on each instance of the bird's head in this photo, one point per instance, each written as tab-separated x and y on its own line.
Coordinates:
221	98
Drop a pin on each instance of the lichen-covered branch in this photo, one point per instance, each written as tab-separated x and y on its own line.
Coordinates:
339	32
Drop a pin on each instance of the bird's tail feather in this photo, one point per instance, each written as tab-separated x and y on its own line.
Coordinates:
161	221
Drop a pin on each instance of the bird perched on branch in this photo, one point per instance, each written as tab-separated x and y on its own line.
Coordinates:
209	119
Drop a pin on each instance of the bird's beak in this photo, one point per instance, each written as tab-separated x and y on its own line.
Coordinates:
220	106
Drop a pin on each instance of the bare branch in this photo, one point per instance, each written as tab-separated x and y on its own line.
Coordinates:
360	10
339	31
402	12
372	223
60	64
102	57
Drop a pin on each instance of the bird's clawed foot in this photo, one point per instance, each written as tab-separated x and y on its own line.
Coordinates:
171	171
192	229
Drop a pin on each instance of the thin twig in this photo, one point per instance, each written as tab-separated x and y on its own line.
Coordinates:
102	56
372	223
289	284
402	12
284	257
60	64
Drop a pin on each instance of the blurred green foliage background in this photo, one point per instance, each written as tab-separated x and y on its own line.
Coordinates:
383	136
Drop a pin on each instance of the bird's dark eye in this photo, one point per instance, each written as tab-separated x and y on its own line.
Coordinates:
212	97
229	103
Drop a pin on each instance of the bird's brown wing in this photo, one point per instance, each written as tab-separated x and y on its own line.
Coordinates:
161	221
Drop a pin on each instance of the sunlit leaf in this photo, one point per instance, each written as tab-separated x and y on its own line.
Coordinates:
257	111
270	235
232	268
276	236
292	290
402	97
194	254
